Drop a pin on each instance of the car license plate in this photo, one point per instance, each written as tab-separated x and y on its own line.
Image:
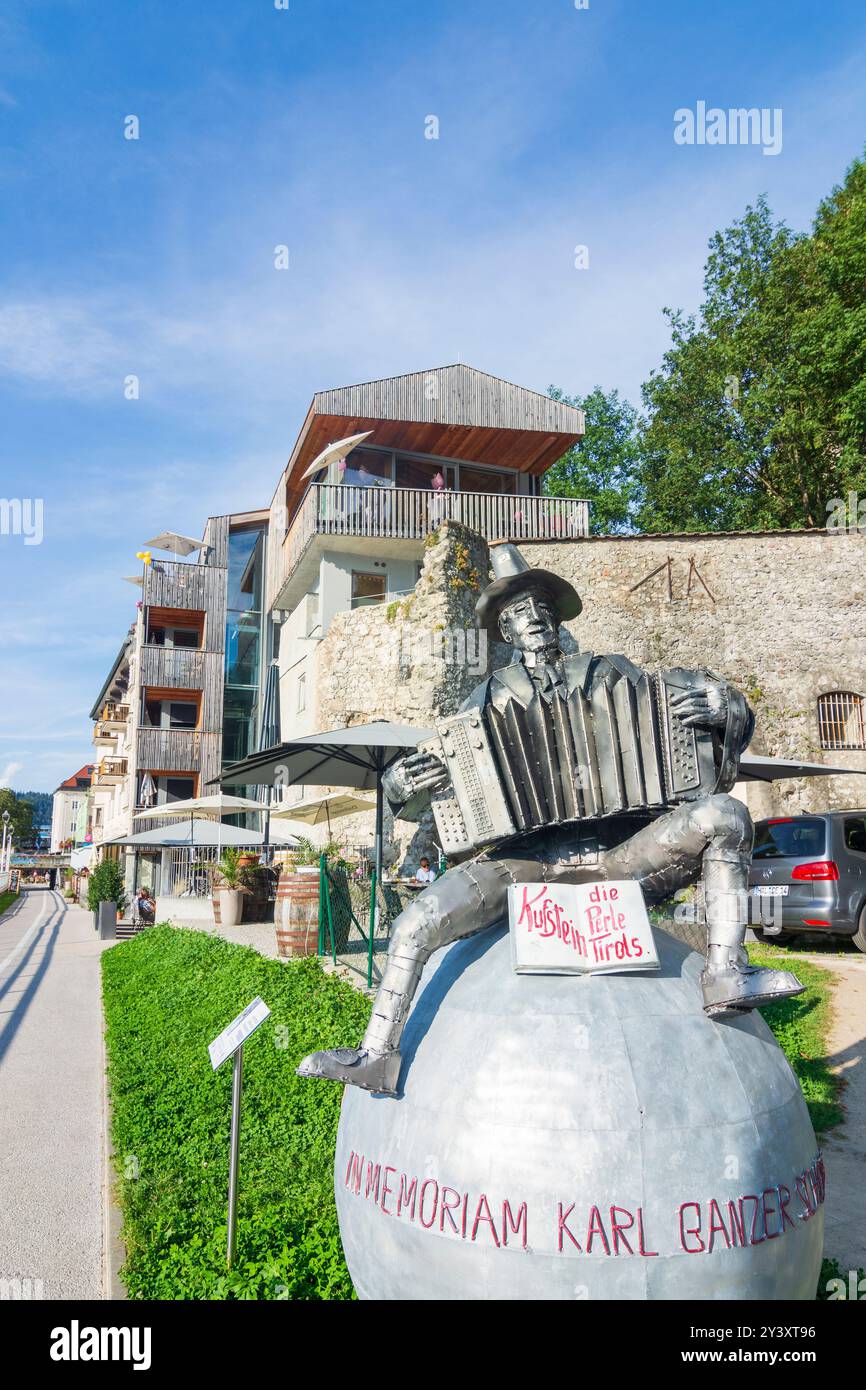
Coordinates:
771	890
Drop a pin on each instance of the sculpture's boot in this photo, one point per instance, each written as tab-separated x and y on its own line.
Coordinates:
354	1066
728	984
375	1065
734	989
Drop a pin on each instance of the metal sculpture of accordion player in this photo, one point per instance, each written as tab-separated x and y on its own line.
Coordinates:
566	768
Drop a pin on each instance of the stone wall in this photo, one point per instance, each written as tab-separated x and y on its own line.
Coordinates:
409	662
780	615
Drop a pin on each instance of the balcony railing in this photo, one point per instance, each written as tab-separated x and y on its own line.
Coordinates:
114	715
110	771
404	513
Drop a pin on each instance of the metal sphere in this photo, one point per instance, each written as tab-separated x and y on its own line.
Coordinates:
596	1137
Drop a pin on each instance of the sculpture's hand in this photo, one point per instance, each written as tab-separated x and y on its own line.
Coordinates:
418	772
704	706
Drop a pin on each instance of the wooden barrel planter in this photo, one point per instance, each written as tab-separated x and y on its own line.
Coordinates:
296	914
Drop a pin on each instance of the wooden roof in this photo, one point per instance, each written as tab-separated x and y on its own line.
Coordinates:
455	412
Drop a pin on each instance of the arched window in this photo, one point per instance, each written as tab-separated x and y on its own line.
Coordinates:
840	720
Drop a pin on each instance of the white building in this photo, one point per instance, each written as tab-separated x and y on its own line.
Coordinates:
66	806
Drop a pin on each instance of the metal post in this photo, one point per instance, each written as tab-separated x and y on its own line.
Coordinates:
321	904
372	929
237	1079
380	806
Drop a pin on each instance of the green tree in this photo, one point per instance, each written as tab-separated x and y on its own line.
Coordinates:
20	814
603	467
757	417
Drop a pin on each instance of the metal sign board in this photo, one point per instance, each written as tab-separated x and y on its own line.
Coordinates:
237	1032
580	928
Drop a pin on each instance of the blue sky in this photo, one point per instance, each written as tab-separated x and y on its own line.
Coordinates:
305	127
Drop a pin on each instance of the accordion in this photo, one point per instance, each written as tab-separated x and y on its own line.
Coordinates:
612	747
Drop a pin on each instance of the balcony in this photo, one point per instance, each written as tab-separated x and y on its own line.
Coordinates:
110	772
411	514
114	717
104	736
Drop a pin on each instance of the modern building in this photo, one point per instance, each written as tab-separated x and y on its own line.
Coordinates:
349	532
182	693
221	657
66	806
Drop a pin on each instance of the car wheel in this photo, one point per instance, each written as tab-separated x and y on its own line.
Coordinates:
859	937
778	938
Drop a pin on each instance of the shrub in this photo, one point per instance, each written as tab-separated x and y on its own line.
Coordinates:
105	885
168	993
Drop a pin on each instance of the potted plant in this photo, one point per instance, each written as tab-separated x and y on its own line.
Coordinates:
105	885
230	887
307	856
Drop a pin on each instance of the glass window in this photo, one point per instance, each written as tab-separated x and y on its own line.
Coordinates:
424	473
365	467
243	643
173	637
175	789
243	635
302	694
855	834
797	837
182	715
368	589
245	570
170	714
239	722
486	480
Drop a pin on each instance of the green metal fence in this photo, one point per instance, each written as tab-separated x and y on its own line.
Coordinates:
344	904
355	915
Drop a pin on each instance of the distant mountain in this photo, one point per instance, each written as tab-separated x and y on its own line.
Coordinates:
41	803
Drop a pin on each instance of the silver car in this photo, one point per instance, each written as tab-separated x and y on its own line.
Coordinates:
809	875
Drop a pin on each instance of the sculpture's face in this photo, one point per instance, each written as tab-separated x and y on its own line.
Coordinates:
529	622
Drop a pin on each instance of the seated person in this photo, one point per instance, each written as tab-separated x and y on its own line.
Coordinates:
424	873
145	905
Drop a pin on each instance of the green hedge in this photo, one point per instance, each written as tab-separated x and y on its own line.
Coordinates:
168	993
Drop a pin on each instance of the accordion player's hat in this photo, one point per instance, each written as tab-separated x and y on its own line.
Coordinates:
513	576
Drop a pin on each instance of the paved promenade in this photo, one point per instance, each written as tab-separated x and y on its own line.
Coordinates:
51	1123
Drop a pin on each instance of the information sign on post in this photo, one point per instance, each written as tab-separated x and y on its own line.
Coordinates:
231	1043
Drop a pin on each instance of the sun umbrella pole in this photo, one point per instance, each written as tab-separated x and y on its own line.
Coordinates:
380	800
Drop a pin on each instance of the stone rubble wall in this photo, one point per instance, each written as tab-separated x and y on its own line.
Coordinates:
782	616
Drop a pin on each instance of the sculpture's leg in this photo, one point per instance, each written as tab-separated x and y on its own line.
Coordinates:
463	901
715	832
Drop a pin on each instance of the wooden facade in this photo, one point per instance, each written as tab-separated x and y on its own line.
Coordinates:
186	594
454	412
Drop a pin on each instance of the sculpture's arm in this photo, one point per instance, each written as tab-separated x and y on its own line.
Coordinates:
712	703
410	783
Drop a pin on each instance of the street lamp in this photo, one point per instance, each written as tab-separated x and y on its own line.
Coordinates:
4	866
